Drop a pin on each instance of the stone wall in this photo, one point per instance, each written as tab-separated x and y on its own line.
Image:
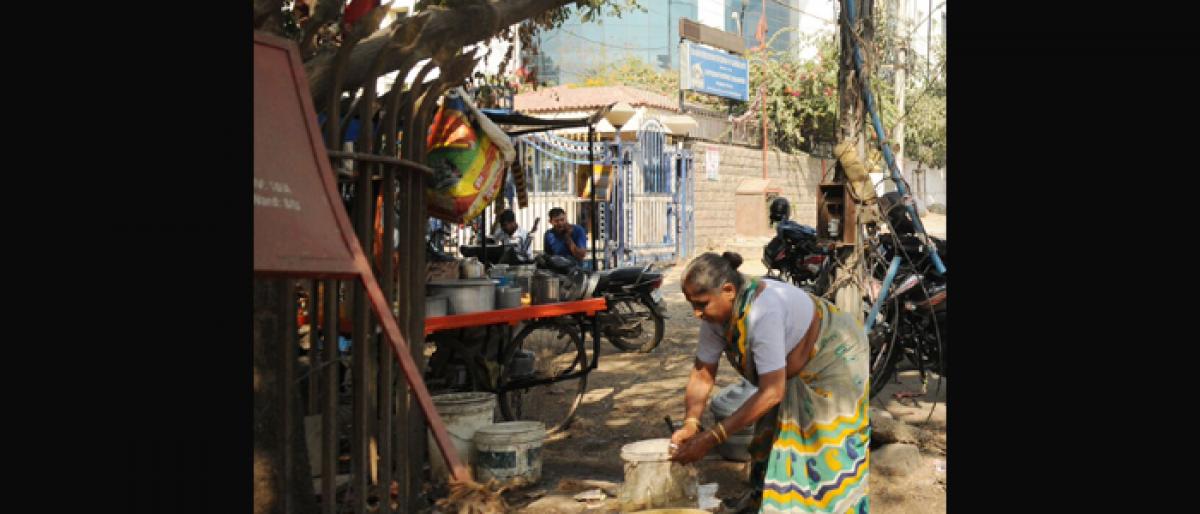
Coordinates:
795	175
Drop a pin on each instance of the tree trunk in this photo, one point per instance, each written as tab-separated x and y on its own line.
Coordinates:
849	113
851	126
901	84
282	476
445	32
268	15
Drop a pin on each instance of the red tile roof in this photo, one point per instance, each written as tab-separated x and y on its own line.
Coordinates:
565	98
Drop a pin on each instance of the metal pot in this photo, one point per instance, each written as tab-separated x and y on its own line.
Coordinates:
465	295
523	276
472	268
435	306
503	273
545	288
508	297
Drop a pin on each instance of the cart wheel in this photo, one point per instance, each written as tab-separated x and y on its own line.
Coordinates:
558	350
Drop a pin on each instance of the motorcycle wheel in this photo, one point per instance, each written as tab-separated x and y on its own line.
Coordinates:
646	340
883	347
932	356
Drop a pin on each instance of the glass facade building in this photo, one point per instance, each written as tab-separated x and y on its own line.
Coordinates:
569	52
779	16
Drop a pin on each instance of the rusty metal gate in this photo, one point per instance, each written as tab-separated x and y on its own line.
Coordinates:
365	436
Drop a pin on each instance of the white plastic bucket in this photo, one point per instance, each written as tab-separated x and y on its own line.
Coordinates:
653	481
463	414
510	452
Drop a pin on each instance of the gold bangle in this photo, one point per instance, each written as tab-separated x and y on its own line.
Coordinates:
724	434
692	421
716	435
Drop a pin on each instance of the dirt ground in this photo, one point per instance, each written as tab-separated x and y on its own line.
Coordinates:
935	224
630	393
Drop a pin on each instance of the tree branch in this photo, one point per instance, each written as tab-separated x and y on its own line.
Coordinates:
323	13
267	15
444	32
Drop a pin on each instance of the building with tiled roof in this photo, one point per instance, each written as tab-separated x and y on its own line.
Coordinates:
573	98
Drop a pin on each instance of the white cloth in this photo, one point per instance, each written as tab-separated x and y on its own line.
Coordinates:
778	320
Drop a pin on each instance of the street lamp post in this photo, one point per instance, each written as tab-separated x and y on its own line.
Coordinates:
617	116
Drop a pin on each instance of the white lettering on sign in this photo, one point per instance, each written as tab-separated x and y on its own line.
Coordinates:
720	57
725	76
283	201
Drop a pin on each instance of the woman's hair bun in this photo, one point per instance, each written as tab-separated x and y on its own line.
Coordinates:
734	259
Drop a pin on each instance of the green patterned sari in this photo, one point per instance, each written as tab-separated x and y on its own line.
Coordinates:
809	453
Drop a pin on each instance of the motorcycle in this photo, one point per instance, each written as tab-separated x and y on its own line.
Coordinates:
911	322
636	312
794	254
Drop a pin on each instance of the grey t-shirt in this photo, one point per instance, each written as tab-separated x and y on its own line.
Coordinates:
778	319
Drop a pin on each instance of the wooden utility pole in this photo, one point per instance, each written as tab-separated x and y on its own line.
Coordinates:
901	64
851	127
851	122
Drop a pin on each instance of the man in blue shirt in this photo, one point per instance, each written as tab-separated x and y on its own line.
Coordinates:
564	238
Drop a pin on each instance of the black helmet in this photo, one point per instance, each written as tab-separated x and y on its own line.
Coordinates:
891	204
780	210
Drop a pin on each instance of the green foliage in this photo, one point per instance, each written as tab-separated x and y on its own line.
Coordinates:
635	72
925	89
589	10
801	96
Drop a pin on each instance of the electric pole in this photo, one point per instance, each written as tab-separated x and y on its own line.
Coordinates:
851	120
901	69
852	126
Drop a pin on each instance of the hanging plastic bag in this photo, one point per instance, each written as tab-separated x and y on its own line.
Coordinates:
468	154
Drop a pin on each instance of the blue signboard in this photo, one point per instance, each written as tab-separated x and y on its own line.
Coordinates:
705	69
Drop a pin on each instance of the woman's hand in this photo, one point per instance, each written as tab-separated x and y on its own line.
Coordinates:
684	434
694	448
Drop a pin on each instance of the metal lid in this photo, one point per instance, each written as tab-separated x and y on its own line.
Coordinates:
647	451
462	282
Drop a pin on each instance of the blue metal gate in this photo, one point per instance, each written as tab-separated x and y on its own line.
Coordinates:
647	216
653	204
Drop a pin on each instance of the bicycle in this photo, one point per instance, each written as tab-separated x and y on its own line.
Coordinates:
540	374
